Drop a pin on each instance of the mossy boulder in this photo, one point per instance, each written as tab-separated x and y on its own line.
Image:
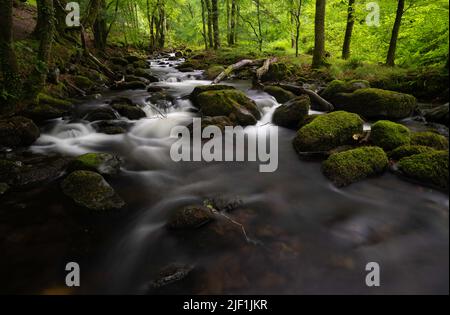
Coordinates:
377	104
438	114
219	121
338	86
281	95
101	113
231	103
328	131
389	135
428	168
409	150
131	112
277	72
290	114
143	64
102	163
119	61
134	85
430	139
189	218
143	73
90	190
213	71
206	88
17	132
83	82
48	107
307	120
351	166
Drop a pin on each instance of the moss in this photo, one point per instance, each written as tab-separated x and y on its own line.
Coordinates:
428	168
18	131
290	114
83	82
232	103
339	86
281	95
277	72
205	88
90	190
375	103
188	218
307	120
141	64
56	102
103	163
430	139
389	135
143	73
328	131
348	167
409	150
212	72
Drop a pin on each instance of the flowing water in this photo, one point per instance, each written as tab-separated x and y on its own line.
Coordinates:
303	235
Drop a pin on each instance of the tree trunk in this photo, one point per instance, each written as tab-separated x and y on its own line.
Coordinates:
100	27
258	14
210	23
215	18
233	23
390	61
349	30
204	34
8	62
319	34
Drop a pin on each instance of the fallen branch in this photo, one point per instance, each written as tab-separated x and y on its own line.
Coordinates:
241	64
319	103
105	70
264	69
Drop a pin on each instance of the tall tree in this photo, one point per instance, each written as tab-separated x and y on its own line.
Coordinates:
204	24
8	62
296	12
215	20
390	60
349	30
319	34
210	23
233	23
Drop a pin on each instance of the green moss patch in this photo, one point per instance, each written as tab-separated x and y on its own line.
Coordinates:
389	135
409	150
430	139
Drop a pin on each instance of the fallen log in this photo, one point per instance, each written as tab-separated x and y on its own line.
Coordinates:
264	69
319	103
241	64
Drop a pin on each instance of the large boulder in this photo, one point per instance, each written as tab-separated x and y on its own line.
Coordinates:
143	73
18	131
328	131
348	167
430	139
231	103
48	107
409	150
212	72
437	115
280	94
427	168
389	135
290	114
131	112
206	88
102	163
90	190
375	103
277	72
336	87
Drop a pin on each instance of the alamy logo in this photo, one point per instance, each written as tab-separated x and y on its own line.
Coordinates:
373	18
73	17
262	146
373	277
73	277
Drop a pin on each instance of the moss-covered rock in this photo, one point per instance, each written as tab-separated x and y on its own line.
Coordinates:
281	95
134	85
430	139
338	86
206	88
18	131
48	107
129	111
143	64
328	131
348	167
90	190
277	72
389	135
143	73
231	103
119	61
219	121
83	82
376	103
437	114
213	71
101	113
427	168
189	218
102	163
409	150
290	114
307	120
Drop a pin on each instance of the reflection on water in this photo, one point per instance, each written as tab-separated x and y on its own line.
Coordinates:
312	237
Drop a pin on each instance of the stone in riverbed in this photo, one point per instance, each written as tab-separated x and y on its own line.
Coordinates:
206	88
119	61
231	103
437	115
336	87
189	218
329	131
18	131
134	85
375	104
430	139
348	167
409	150
90	190
289	115
389	135
102	163
130	112
427	168
143	73
219	121
212	72
169	275
102	113
48	107
281	95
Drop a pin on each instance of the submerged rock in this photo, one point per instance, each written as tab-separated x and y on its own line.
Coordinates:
430	139
189	218
231	103
375	103
389	135
290	114
280	94
18	131
348	167
409	150
328	131
102	163
90	190
427	168
171	274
